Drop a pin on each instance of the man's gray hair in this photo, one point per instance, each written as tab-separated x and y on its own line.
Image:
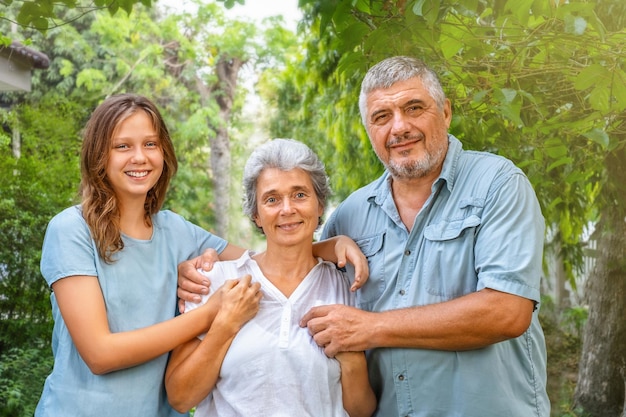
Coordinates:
397	69
283	154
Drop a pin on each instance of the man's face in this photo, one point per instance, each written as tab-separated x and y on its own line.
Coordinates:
408	132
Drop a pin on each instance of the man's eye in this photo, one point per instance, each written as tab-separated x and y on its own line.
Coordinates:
270	200
300	195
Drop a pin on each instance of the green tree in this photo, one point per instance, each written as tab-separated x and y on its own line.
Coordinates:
92	56
42	15
34	187
542	83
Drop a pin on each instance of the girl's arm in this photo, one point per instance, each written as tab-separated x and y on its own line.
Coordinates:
194	367
339	249
358	398
81	303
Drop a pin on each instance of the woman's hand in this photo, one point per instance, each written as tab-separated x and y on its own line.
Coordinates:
341	249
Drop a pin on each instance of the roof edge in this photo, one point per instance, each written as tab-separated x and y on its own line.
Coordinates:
37	59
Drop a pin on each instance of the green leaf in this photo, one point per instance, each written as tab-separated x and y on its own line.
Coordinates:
600	98
520	9
560	162
589	76
598	136
505	95
417	7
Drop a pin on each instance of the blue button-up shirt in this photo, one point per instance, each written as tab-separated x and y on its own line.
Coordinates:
480	228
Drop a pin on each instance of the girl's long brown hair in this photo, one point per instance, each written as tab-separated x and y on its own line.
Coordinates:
99	202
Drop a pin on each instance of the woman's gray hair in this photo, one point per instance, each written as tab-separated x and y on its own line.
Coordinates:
397	69
283	154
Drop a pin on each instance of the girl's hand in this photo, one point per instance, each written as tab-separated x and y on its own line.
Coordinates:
239	302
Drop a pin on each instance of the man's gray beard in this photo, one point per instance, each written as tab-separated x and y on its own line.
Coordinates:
419	168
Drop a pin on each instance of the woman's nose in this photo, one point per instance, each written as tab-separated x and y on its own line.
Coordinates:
287	206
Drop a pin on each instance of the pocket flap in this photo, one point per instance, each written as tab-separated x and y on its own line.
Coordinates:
370	245
447	230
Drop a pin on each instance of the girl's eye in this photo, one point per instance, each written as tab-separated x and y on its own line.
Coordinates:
121	146
152	145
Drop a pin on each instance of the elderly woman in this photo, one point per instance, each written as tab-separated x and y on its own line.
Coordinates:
270	366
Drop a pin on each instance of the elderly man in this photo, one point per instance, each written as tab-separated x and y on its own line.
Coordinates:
454	243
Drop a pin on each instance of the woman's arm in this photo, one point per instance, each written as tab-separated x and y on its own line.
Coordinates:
358	398
81	303
194	367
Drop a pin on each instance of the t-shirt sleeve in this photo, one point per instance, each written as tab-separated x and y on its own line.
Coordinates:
197	238
68	248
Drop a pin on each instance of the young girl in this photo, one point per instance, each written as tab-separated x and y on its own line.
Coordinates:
112	265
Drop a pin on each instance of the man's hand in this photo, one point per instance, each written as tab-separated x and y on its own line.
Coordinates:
191	283
338	328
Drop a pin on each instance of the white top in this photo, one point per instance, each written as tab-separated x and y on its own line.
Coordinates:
274	367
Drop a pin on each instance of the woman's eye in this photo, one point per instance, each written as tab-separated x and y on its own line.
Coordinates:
300	195
270	200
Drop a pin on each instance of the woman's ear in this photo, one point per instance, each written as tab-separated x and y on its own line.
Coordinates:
257	221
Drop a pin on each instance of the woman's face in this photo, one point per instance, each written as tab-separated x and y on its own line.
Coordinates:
288	208
135	161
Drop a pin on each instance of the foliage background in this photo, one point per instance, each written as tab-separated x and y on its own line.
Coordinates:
540	82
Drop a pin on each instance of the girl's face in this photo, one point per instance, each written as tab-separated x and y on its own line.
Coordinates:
135	161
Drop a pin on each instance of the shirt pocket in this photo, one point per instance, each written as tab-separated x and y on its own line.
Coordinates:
372	247
449	267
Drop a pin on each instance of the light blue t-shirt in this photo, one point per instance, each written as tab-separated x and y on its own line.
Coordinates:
481	227
139	290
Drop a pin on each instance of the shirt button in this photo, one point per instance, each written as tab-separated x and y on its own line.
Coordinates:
401	377
407	252
401	292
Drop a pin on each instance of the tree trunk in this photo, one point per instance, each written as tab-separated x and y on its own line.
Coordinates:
16	142
227	70
600	391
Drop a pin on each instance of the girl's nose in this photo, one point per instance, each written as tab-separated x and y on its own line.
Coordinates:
138	156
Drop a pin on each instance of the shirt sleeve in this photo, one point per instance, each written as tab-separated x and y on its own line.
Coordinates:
509	243
68	248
